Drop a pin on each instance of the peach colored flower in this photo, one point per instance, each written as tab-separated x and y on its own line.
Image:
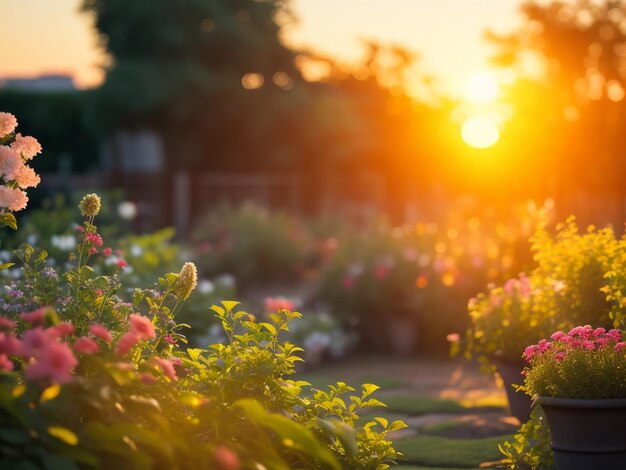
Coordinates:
167	367
141	326
8	123
126	343
12	199
55	362
100	331
25	177
276	304
86	345
10	163
26	146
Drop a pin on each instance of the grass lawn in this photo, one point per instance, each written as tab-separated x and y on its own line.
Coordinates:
419	405
434	451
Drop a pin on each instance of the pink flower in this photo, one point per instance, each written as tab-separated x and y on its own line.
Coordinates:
141	326
62	329
36	317
148	378
276	304
347	282
121	263
620	346
8	123
589	345
13	199
26	146
126	343
107	252
86	345
5	363
9	344
10	162
557	336
93	250
55	362
381	271
94	238
167	367
599	332
558	357
226	459
615	335
35	340
529	352
100	331
5	323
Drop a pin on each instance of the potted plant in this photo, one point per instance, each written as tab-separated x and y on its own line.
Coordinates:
567	287
579	379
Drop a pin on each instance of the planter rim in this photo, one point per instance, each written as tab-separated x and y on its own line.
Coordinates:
583	402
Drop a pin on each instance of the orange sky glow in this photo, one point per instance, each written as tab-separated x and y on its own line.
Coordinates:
51	36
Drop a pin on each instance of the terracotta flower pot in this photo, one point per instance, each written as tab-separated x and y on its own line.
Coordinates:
587	434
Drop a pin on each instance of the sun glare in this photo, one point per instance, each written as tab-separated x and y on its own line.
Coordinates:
480	132
481	88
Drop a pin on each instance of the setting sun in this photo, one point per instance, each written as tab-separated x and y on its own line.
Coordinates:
481	88
480	132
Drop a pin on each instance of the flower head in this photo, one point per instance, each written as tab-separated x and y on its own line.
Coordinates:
12	199
89	205
55	362
100	331
8	123
141	326
86	345
187	280
167	367
126	343
10	163
25	146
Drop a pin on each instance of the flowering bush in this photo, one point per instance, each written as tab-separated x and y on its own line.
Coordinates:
91	380
583	363
253	245
15	174
565	289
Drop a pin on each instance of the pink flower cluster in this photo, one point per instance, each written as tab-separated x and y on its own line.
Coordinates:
276	304
581	338
13	166
141	328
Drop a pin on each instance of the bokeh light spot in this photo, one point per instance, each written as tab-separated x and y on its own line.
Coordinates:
480	132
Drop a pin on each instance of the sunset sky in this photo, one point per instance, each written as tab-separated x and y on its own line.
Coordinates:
51	36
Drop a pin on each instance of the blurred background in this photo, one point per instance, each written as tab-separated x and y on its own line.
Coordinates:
377	163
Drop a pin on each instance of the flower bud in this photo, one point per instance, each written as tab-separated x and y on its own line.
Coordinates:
90	205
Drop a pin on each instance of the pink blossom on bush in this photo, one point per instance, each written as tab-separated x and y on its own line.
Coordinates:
25	177
107	252
35	340
26	146
62	329
13	199
8	123
93	250
141	326
121	263
276	304
10	163
167	367
36	317
620	346
226	459
557	336
5	363
7	324
615	335
148	378
100	331
9	344
126	343
86	345
94	238
55	362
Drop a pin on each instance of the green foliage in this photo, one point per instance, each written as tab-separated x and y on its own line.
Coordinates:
140	400
530	446
252	244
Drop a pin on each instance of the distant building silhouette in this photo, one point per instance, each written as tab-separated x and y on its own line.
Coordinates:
42	83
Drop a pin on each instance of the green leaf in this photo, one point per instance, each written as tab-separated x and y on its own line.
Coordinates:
63	434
